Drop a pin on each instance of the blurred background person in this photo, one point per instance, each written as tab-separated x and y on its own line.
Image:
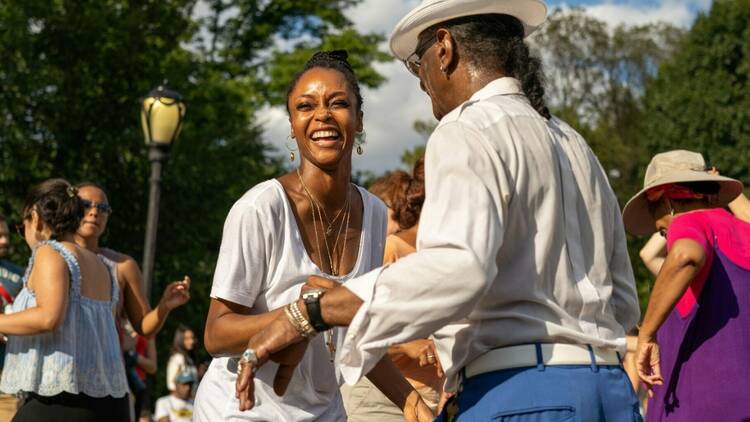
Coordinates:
62	330
403	194
182	356
133	304
140	357
178	405
11	282
694	337
385	188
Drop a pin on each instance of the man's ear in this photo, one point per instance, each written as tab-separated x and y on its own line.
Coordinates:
447	51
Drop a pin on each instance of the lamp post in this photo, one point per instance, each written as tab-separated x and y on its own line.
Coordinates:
162	111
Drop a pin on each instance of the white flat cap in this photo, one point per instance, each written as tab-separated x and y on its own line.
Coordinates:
531	13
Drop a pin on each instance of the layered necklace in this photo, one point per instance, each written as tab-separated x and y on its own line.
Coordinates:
320	217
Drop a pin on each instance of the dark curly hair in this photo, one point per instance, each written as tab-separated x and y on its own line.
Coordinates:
406	195
57	204
495	41
336	60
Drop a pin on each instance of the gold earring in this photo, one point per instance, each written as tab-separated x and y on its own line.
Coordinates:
291	151
359	149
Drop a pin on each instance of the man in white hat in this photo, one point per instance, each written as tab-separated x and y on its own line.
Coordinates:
522	271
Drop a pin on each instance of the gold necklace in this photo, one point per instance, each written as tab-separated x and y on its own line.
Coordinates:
319	209
329	228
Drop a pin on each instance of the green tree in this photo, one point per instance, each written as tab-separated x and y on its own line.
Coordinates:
424	128
701	99
72	72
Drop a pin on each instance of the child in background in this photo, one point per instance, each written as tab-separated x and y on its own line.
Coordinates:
178	405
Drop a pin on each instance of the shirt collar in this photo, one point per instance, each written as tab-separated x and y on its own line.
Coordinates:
500	86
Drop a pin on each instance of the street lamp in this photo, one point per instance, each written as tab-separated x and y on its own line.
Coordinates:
162	111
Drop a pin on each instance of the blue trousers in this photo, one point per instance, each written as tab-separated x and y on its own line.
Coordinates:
585	393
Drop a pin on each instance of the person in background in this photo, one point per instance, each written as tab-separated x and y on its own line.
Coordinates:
133	302
182	356
403	193
694	337
11	282
385	187
178	405
140	357
63	349
655	250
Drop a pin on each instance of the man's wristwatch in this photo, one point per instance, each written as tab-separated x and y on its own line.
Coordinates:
312	303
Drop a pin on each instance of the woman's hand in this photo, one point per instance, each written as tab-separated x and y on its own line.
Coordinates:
176	294
416	410
279	341
647	363
315	282
423	351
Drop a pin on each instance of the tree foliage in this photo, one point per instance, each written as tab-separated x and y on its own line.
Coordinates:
70	79
701	98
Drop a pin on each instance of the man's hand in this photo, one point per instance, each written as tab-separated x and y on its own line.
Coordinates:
423	351
279	341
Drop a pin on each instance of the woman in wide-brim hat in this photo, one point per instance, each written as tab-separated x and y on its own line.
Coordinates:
693	341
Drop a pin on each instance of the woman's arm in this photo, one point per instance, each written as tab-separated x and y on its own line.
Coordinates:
683	263
740	207
229	327
654	252
50	281
145	321
148	362
393	385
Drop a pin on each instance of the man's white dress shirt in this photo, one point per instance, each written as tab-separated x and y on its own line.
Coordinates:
520	241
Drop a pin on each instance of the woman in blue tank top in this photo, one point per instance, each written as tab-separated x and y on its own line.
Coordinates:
63	349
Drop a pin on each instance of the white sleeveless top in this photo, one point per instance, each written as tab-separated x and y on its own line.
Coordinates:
262	265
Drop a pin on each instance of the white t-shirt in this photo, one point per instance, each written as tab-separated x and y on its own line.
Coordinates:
177	409
262	265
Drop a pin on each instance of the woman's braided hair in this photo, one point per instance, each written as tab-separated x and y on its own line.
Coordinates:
336	60
495	41
57	204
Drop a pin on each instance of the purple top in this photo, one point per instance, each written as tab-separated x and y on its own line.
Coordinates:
706	339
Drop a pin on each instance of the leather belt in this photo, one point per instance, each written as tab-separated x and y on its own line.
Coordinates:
525	355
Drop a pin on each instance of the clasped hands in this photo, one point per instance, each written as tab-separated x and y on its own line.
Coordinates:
280	342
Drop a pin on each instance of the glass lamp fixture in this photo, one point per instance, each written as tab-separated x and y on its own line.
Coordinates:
162	112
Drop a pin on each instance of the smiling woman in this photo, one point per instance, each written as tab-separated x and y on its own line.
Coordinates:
311	221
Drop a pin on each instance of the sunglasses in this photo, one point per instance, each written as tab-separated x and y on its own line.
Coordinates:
102	207
414	62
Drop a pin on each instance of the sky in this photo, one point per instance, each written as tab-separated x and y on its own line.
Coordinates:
391	109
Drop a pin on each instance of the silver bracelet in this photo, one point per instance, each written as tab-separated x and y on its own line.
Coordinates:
303	326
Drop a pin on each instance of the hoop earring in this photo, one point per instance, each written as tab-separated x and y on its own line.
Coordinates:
291	150
361	138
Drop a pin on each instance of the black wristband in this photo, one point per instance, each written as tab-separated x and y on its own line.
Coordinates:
312	303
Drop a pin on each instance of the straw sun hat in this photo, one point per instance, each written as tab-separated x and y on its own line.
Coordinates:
677	166
531	13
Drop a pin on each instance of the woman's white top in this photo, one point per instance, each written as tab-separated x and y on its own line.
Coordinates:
262	265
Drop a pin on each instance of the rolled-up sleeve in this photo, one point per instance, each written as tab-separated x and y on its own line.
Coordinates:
460	233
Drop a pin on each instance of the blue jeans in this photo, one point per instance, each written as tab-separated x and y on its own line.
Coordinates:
585	393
